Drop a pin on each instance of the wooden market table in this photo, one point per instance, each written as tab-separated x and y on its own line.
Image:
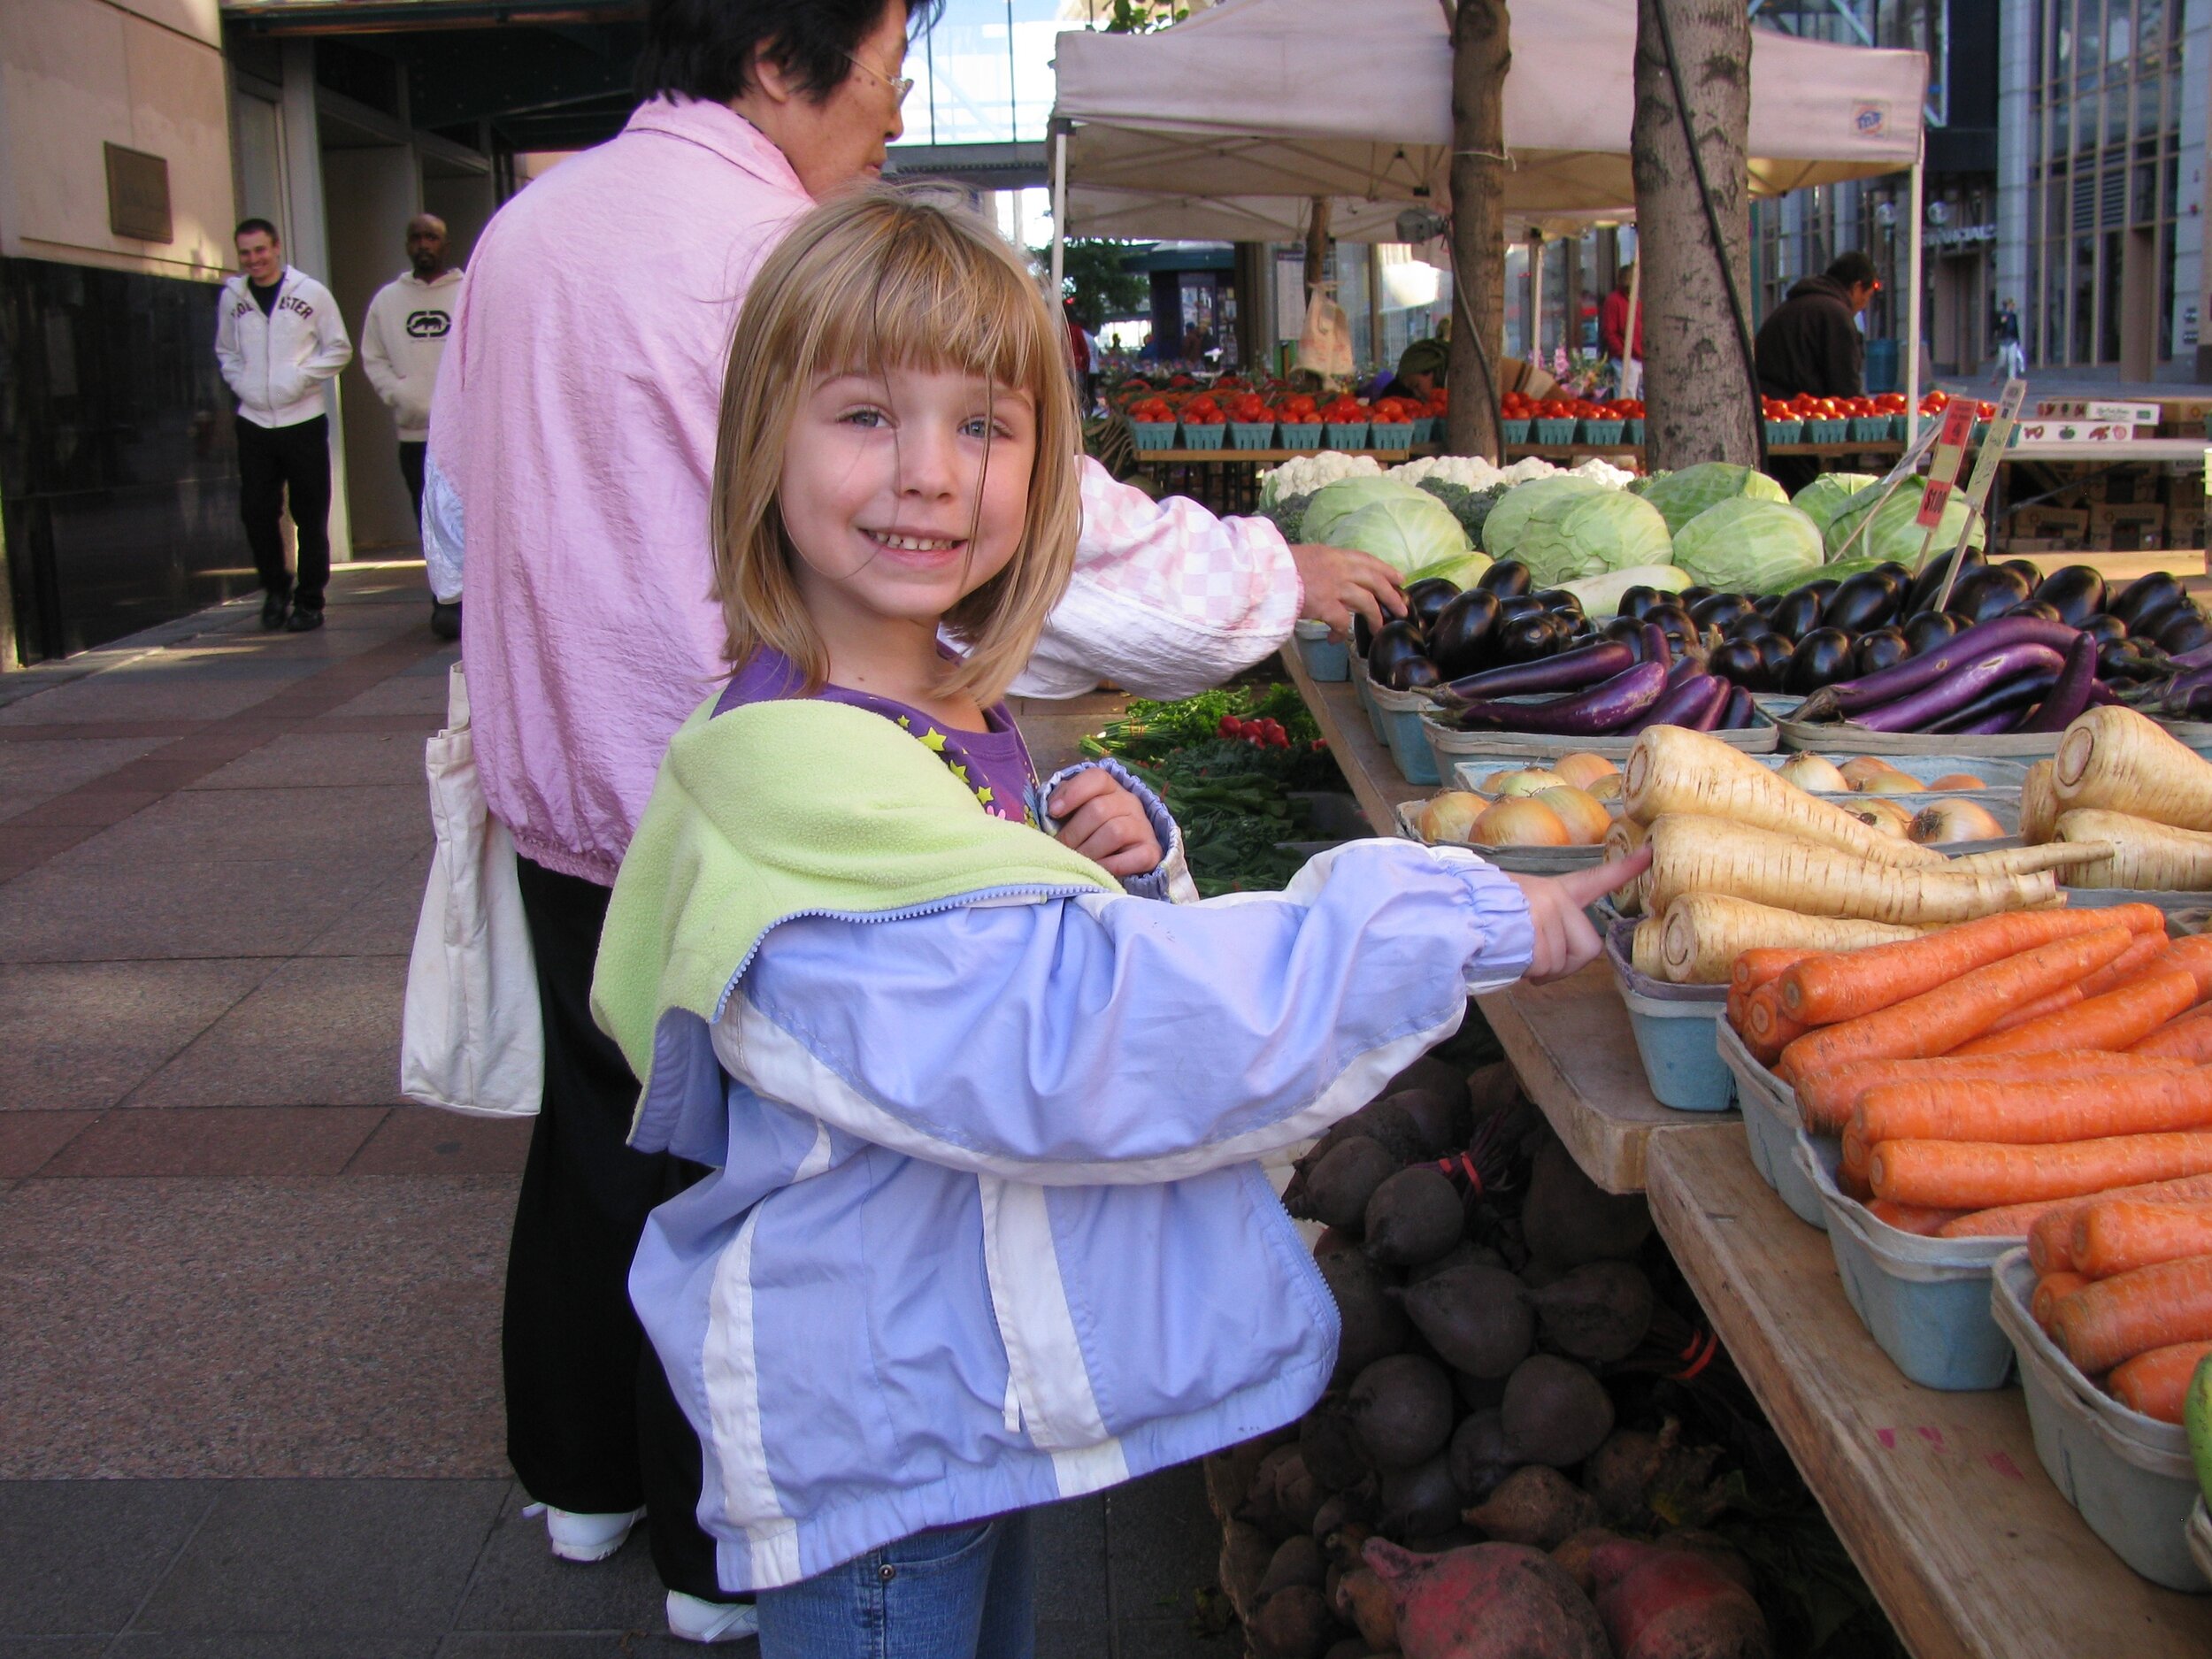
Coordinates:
1939	1497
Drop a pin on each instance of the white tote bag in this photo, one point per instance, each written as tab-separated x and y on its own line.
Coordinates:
471	1038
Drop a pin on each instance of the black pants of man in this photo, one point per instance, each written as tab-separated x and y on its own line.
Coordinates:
410	460
273	462
592	1426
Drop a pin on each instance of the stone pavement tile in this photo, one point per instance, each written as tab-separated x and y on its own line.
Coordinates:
320	1031
1069	1540
175	1328
383	923
219	1140
327	1558
403	693
655	1643
301	760
149	688
31	773
1076	1639
520	1586
26	847
60	912
82	1555
422	1140
1163	1545
27	1140
94	806
76	1033
163	1645
260	825
53	1646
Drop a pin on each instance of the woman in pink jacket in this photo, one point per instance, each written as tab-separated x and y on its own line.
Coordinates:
572	449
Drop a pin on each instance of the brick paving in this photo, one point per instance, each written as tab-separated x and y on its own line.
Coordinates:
250	1298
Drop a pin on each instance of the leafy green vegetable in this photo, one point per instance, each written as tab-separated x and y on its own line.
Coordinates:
1502	530
1824	497
1749	546
1471	507
1893	534
1582	533
1333	502
1600	596
1288	515
1405	531
1461	570
1682	495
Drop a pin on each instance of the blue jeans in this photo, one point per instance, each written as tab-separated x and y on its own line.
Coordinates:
956	1593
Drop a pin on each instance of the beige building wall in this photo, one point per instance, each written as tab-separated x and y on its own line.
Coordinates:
146	74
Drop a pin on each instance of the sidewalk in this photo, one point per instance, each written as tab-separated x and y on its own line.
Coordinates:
249	1300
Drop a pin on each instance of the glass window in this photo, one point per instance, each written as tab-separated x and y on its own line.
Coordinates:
2116	110
2119	31
984	73
2088	54
2150	25
2084	346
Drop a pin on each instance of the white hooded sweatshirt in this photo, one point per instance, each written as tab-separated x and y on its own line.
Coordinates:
402	340
277	363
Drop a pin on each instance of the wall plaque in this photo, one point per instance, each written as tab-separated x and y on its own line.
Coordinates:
138	195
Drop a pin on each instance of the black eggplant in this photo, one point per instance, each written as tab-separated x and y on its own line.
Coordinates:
2077	590
1774	652
1765	602
1461	639
1738	662
2144	596
1929	582
1928	630
1426	599
1558	600
1524	639
1506	576
1879	649
2042	608
1797	614
1897	571
1513	607
1416	673
2027	568
1676	622
1868	600
1749	626
1720	611
1985	594
2104	626
1825	587
1637	599
1363	636
2183	632
1690	597
1821	657
2123	659
1629	632
1396	643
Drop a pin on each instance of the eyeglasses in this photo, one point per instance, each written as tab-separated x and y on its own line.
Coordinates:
901	86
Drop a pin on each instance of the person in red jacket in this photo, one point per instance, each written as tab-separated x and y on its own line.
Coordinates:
1628	360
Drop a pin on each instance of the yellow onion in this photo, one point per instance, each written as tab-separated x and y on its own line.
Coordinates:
1859	768
1520	823
1525	782
1582	768
1813	772
1449	816
1892	783
1584	815
1883	814
1958	780
1605	788
1947	822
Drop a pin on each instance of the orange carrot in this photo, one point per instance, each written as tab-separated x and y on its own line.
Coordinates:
2188	1037
2050	1290
2115	1020
1758	967
2156	1382
2193	955
2003	1221
2049	1225
1766	1027
1825	1099
2114	1320
1845	985
1857	1160
1936	1022
2118	1235
2034	1113
1734	1009
2114	973
1909	1218
1975	1174
1853	1185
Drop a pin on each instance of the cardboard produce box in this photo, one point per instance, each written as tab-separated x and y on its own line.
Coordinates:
2053	529
2097	409
2127	527
2078	432
2185	526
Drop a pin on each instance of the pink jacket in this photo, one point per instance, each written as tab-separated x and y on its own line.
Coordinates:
572	449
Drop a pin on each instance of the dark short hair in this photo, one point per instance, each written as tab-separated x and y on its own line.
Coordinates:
247	227
1851	269
701	49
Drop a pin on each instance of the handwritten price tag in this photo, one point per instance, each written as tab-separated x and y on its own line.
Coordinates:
1950	454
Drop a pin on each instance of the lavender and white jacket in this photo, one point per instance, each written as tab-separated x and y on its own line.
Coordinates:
572	451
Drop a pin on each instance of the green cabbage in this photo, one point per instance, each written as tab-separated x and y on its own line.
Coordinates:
1893	534
1600	596
1824	498
1582	533
1406	532
1461	570
1502	530
1333	502
1682	495
1748	546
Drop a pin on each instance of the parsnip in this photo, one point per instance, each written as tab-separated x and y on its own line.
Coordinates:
1624	838
1672	770
1708	855
1704	933
1643	950
2020	861
2116	760
2039	803
2143	854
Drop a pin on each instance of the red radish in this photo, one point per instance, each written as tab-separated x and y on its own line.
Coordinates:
1487	1602
1674	1604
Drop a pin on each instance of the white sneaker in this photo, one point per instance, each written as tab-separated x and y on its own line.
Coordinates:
692	1619
584	1537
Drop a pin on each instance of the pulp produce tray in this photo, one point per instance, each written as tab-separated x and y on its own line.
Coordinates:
1674	1027
1325	658
1771	1127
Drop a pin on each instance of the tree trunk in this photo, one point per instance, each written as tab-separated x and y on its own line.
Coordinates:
1316	248
1481	53
1698	388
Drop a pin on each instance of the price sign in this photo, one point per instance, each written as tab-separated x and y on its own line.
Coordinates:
1950	452
1908	463
1977	488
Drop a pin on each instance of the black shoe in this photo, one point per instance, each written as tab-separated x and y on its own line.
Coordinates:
445	619
273	607
303	619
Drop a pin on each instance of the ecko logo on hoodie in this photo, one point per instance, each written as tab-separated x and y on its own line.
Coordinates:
427	325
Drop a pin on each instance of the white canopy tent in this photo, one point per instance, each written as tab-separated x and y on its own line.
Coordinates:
1229	124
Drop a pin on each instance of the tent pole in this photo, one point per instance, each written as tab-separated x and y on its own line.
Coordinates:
1059	211
1912	315
1632	370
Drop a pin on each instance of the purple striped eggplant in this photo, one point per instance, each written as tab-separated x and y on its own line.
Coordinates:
1694	701
1606	707
1968	680
1846	698
2070	694
1569	671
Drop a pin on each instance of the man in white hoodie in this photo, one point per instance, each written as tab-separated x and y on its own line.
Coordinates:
402	340
278	338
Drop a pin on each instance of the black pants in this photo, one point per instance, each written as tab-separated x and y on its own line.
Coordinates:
410	460
273	461
591	1424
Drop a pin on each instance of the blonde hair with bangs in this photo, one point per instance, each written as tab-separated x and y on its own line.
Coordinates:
874	279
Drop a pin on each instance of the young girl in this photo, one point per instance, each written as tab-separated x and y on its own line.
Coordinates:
987	1227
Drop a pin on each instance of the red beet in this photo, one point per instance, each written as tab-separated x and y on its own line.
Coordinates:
1675	1604
1486	1601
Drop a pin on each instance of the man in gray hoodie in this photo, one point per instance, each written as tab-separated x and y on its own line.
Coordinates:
402	340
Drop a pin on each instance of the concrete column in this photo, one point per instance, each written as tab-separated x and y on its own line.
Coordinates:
2016	151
